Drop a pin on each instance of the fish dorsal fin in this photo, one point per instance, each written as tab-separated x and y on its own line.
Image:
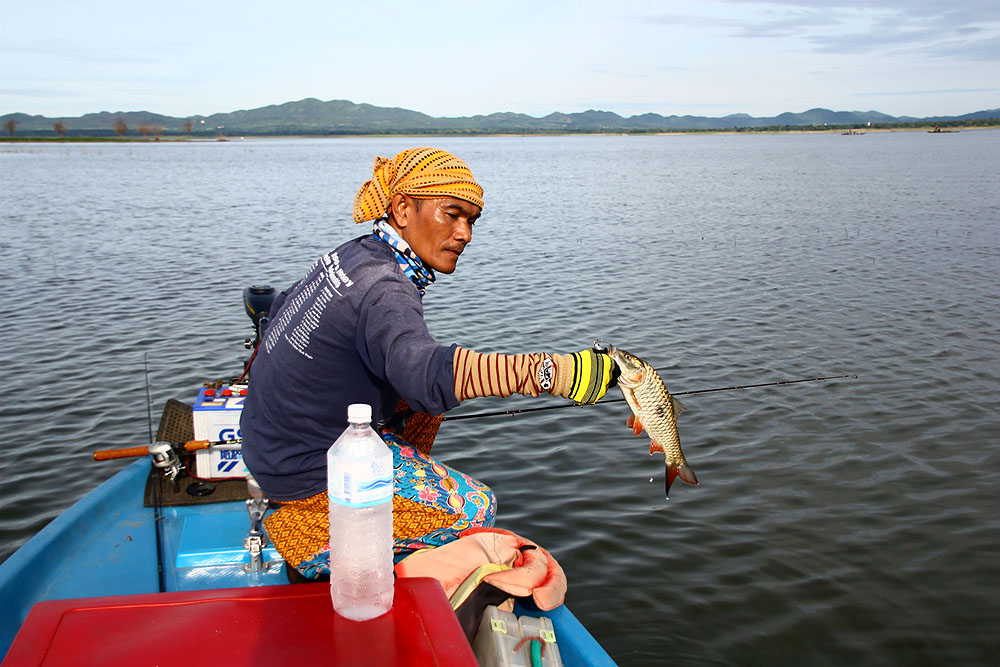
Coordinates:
679	408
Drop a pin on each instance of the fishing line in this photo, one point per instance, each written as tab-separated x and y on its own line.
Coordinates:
621	400
149	398
157	502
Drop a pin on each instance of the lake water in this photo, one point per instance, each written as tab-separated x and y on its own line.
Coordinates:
845	522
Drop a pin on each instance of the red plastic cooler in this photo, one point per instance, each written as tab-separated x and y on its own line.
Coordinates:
269	625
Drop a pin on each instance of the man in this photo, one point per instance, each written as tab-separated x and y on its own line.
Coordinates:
352	331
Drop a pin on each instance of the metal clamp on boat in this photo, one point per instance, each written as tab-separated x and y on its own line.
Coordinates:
255	541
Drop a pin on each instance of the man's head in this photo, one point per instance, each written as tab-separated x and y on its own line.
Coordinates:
430	198
437	230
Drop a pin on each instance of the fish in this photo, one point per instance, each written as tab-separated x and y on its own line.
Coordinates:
653	410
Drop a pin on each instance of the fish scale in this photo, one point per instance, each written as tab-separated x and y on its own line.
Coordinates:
655	411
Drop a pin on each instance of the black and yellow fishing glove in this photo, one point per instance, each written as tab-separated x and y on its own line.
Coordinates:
583	376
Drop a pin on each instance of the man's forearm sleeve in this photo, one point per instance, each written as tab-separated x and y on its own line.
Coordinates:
501	374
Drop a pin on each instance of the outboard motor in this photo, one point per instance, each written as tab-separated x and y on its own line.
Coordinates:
257	300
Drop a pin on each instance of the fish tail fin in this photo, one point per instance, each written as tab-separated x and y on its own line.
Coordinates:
682	470
687	474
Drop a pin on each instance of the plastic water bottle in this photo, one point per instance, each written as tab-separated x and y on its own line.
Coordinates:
360	484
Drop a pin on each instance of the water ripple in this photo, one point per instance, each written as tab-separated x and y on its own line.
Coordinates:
836	522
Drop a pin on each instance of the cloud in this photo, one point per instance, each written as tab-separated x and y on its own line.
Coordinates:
943	91
965	11
769	23
27	92
926	43
964	29
123	53
981	49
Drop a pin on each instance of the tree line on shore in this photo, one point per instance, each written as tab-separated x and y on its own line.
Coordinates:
121	128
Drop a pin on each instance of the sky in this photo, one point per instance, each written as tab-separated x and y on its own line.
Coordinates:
709	58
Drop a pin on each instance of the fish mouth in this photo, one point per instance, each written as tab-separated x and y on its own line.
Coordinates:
629	371
616	353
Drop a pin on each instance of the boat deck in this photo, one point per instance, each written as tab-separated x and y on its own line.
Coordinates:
106	545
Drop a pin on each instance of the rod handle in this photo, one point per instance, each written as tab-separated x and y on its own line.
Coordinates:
194	445
109	454
130	452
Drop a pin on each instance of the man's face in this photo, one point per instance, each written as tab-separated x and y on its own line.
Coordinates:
437	229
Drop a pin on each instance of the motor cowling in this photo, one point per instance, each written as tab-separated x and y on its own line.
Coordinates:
257	300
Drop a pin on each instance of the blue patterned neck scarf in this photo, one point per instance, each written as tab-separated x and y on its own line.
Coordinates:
407	260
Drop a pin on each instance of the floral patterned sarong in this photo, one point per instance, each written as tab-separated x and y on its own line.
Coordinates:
431	505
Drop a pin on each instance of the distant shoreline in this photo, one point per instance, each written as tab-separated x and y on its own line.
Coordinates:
739	131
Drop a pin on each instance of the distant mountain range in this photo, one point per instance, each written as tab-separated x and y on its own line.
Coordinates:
315	117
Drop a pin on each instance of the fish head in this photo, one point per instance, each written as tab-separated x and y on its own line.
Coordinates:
633	369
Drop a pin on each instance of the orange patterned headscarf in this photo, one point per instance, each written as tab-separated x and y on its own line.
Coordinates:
424	173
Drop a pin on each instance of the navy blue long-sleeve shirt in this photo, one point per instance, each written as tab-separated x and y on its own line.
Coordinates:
351	331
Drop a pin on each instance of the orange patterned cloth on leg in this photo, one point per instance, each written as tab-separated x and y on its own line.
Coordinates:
431	505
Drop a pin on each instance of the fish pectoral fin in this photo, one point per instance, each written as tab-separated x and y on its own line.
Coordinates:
637	405
633	423
633	420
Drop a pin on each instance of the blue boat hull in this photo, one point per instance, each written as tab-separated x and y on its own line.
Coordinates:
108	544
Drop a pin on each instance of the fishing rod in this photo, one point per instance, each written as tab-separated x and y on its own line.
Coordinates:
132	452
620	400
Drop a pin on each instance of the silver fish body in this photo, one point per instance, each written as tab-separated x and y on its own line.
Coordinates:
655	410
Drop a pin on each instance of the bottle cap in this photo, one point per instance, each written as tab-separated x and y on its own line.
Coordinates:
359	412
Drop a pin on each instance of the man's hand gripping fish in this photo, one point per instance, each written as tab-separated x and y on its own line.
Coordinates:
655	410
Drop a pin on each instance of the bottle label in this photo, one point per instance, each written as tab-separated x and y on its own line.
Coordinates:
360	483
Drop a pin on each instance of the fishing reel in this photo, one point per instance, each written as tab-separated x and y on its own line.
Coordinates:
166	458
